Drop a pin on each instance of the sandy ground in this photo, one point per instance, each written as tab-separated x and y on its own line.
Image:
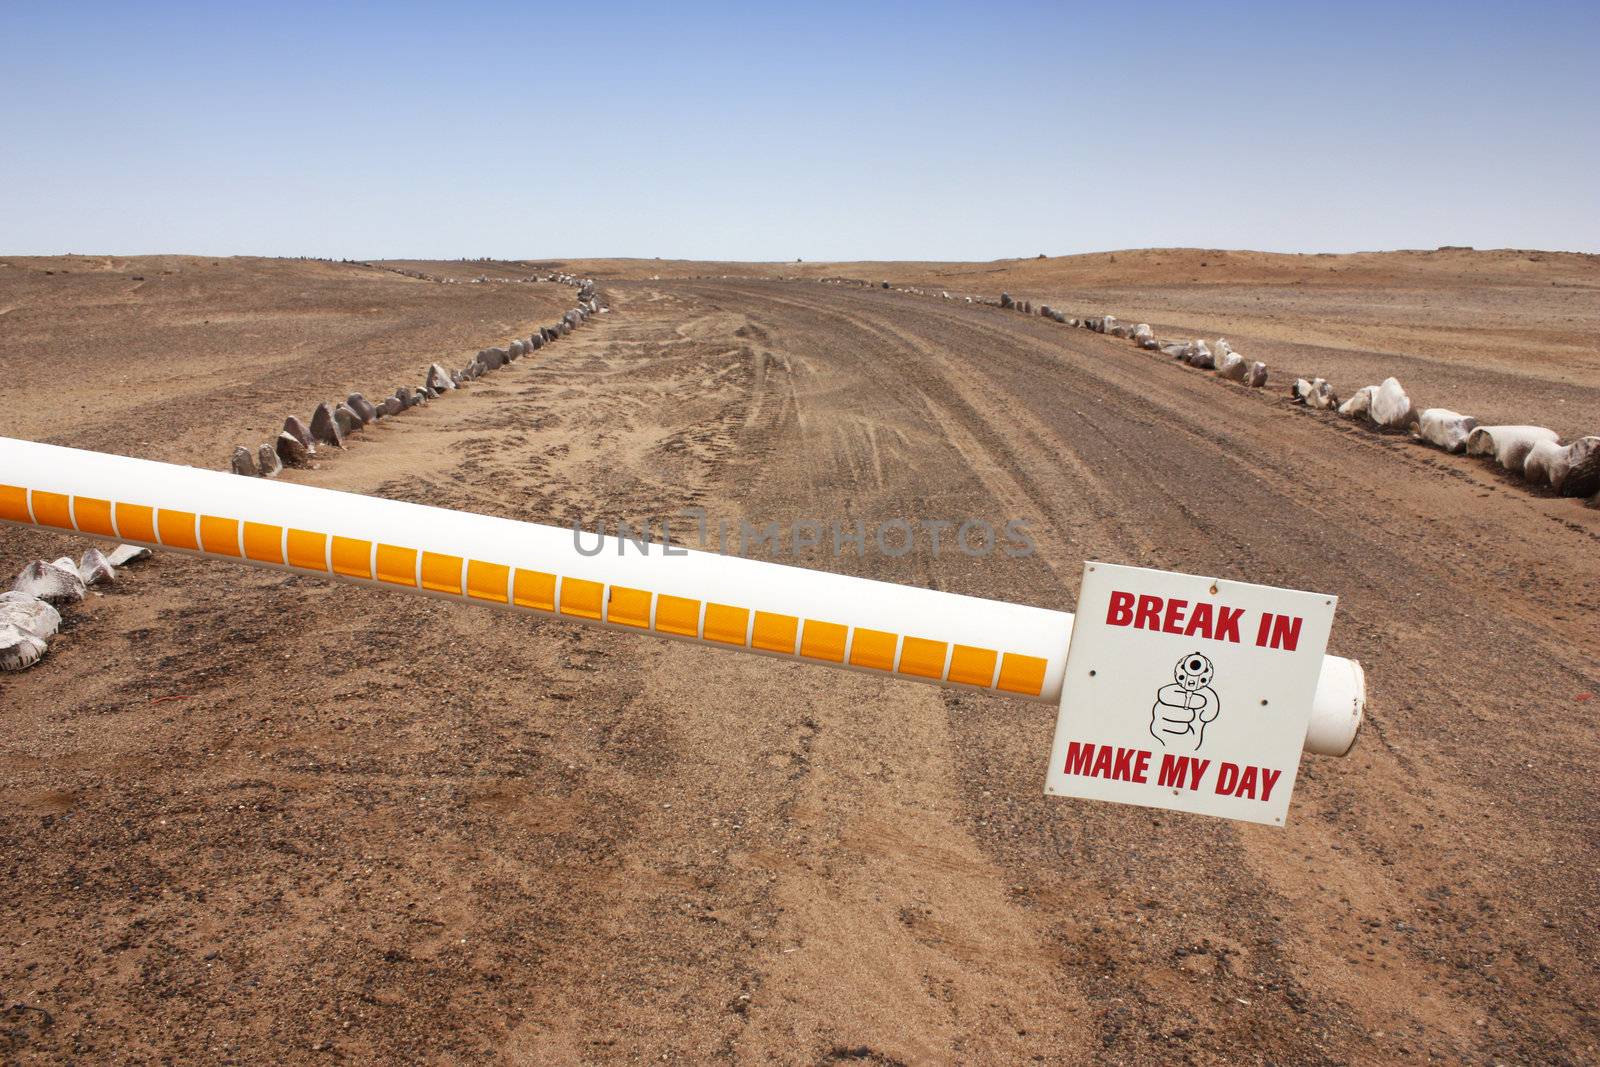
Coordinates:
253	817
1509	336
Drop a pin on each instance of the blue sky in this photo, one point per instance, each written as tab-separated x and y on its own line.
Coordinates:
849	131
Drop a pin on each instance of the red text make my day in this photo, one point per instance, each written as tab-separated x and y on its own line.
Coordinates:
1216	622
1117	764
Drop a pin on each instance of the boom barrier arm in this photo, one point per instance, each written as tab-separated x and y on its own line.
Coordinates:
729	601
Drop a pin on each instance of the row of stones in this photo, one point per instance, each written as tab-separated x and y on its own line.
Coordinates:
331	423
29	611
1536	453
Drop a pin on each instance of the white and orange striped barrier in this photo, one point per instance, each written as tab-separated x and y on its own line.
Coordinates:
728	601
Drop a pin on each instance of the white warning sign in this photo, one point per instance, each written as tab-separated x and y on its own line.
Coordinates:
1187	692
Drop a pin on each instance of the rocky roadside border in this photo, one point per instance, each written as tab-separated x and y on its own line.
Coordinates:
1533	452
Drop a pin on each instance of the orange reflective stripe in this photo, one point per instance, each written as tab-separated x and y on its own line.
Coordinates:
534	589
973	666
628	607
397	566
135	522
308	550
678	615
442	574
263	543
823	640
1022	674
487	581
177	529
581	597
94	516
923	658
727	625
775	633
14	503
219	535
52	509
873	648
352	557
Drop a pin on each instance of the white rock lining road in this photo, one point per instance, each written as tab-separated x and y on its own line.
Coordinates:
1533	452
332	422
28	615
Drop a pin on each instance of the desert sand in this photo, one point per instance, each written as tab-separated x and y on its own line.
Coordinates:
254	817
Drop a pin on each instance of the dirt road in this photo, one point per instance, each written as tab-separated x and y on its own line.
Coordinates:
253	817
1509	335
